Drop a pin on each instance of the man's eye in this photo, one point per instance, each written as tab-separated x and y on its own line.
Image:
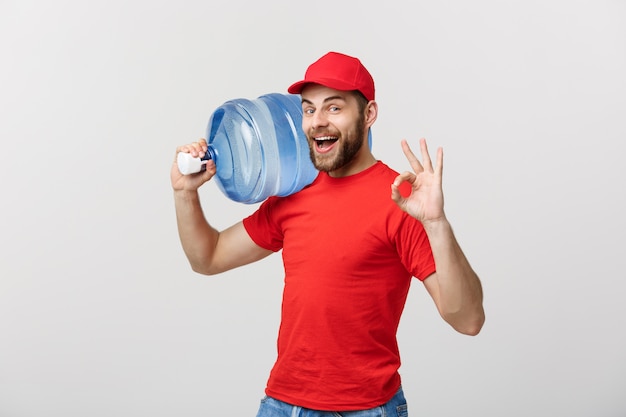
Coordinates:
333	108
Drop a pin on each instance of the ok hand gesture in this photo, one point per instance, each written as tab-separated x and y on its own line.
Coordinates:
425	202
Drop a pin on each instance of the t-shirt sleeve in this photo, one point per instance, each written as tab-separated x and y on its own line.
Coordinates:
263	228
414	249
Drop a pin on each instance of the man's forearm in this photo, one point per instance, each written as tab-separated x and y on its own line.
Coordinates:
460	291
197	236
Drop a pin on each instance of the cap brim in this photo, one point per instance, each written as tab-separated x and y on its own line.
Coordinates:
296	88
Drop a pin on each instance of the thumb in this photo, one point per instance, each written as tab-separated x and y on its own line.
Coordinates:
397	197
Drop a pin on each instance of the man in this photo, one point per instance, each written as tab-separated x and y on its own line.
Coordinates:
351	243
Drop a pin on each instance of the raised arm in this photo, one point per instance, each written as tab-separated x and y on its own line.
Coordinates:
208	250
455	287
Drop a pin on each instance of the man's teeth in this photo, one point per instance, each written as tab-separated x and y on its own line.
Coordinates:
326	138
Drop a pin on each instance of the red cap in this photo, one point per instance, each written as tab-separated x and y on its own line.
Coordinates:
340	72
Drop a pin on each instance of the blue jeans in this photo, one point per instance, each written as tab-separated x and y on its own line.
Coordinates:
396	407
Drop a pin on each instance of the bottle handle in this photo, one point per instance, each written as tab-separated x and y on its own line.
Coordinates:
187	164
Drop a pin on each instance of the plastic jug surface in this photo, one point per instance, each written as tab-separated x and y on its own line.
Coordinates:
258	147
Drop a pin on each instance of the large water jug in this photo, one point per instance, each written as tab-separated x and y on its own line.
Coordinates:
258	147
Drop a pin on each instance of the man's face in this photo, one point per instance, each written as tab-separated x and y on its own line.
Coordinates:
334	126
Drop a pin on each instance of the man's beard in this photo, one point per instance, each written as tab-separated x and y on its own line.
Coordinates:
349	147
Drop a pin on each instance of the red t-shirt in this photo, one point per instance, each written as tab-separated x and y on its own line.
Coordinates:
349	253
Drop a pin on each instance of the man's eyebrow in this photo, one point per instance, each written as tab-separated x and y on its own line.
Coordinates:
327	99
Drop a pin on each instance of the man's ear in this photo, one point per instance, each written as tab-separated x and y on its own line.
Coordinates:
371	113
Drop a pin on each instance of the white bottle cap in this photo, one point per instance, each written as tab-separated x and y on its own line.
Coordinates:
187	164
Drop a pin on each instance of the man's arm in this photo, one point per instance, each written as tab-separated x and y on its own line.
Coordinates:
455	287
208	250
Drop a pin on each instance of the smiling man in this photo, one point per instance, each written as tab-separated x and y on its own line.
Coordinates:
351	243
334	125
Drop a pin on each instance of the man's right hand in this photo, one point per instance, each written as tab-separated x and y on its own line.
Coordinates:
192	182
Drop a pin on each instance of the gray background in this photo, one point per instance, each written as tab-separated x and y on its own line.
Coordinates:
100	314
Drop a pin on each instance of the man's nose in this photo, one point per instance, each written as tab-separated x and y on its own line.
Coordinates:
319	120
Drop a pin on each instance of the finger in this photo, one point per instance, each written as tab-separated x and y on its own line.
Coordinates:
397	197
189	148
428	165
209	171
179	149
210	166
439	167
410	156
407	176
196	149
199	148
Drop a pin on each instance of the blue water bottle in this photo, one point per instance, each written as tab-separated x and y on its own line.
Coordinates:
258	147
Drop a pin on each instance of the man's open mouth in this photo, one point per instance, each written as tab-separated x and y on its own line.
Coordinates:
324	142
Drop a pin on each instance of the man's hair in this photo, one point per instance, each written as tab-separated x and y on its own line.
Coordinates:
360	100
